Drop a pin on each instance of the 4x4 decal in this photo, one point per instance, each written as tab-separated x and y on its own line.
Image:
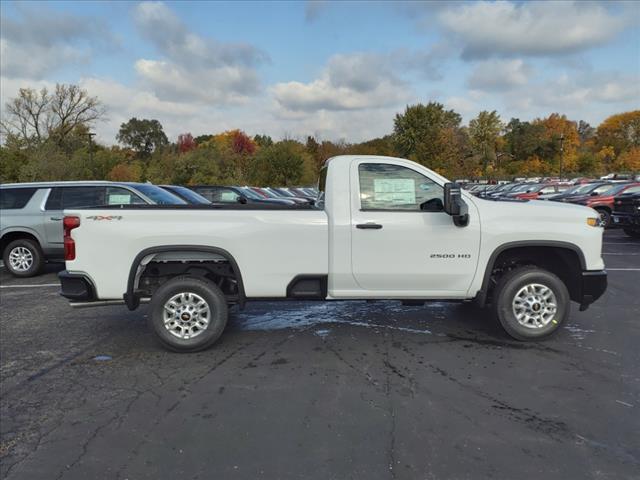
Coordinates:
105	217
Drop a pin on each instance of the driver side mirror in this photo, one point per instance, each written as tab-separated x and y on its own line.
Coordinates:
242	199
454	205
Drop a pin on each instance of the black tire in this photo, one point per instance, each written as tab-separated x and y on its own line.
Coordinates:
605	217
203	337
37	258
508	287
632	232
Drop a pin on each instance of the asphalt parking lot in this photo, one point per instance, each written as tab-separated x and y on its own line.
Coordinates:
321	391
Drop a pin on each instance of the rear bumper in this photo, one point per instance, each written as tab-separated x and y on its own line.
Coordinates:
593	285
76	287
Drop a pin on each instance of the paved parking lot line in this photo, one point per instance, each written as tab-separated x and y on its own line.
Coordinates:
31	286
625	254
622	269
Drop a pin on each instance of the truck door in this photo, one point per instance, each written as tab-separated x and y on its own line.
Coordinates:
402	241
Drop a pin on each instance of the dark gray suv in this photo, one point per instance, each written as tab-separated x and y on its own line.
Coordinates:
31	216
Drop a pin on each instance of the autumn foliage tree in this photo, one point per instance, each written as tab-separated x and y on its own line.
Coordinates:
186	143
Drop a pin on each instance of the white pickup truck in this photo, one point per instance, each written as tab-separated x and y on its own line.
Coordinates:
381	228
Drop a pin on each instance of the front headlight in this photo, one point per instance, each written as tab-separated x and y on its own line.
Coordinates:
594	222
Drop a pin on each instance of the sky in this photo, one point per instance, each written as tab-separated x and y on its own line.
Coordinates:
335	70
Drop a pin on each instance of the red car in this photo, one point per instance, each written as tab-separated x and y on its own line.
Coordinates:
603	203
542	189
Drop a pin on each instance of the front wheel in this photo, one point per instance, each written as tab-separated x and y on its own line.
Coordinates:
531	303
605	217
188	314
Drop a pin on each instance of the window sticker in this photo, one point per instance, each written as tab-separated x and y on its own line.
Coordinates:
394	190
228	196
119	199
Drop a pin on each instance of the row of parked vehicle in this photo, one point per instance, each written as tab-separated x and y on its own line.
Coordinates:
31	214
605	196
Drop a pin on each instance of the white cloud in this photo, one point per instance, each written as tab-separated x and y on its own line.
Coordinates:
194	68
36	42
531	28
348	82
498	75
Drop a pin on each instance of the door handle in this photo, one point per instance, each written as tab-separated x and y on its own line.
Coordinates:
55	219
369	226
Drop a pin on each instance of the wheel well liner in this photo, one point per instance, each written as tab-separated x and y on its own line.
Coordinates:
132	301
9	237
565	251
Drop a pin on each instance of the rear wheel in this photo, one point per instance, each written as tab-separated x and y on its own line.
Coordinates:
188	314
531	303
23	258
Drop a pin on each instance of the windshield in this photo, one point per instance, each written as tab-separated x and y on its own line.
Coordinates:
247	192
189	195
522	188
158	195
584	188
615	189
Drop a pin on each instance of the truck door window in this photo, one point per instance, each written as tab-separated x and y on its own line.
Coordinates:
393	187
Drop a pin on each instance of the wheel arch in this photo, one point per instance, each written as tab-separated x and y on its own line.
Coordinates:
132	300
10	235
564	259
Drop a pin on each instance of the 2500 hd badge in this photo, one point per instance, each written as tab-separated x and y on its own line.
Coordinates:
450	255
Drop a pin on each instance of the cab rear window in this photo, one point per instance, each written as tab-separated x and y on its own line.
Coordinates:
14	198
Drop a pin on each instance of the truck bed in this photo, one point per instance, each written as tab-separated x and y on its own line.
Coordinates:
270	245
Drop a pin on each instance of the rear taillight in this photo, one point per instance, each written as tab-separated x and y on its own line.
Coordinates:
69	223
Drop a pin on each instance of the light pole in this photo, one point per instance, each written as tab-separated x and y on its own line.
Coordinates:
561	153
90	136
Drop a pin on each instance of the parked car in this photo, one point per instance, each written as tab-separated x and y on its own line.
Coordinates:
593	190
221	195
626	213
534	191
31	219
283	193
186	194
603	203
383	228
576	190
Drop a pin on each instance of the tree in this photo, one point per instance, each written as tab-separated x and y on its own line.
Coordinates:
419	127
484	131
263	140
202	138
144	136
621	131
281	164
186	143
124	172
560	141
36	116
629	160
523	139
585	131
